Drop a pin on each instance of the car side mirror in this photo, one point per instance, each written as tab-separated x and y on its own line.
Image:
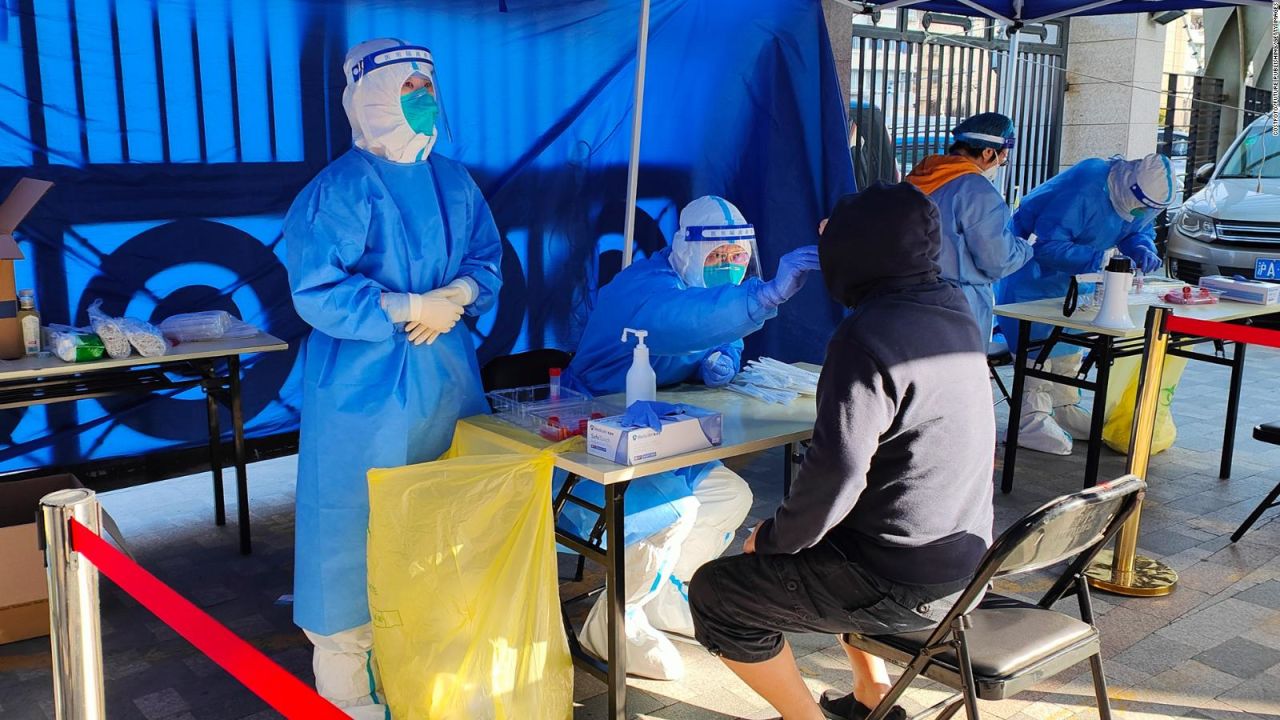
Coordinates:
1204	172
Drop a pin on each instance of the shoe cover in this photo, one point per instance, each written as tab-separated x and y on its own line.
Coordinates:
1074	419
1037	430
1069	366
650	654
724	499
649	563
346	673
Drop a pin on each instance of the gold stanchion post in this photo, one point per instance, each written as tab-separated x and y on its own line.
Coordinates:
1123	571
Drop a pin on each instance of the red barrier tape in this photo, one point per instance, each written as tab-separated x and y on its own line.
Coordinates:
1223	331
282	691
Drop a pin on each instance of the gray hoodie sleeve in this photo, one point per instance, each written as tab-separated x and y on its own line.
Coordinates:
855	407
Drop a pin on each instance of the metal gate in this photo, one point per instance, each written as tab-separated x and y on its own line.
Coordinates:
916	74
1190	118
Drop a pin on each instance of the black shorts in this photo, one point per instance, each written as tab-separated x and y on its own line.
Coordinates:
742	605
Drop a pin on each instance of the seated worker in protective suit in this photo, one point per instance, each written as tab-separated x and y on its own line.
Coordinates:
978	248
387	248
891	511
697	302
1077	218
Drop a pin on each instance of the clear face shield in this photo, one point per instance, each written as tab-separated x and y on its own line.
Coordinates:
417	61
1150	207
720	255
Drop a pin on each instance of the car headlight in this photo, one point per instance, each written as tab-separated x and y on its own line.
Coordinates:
1197	226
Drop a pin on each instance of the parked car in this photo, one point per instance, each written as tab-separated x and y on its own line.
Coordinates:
1232	226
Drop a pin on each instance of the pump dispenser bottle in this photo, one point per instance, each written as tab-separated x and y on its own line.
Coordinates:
642	382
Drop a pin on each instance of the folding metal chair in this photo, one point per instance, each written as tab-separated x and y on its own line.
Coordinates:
1267	433
1004	646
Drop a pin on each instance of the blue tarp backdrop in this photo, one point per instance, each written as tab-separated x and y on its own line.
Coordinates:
178	132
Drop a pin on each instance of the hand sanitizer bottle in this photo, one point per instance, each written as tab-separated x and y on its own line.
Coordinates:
642	382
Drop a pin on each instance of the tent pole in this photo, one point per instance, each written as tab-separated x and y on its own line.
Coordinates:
1009	83
637	119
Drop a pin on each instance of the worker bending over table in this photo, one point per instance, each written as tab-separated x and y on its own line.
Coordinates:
387	248
891	511
1076	218
697	299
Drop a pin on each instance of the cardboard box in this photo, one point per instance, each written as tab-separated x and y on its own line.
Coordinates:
1250	291
24	592
696	429
25	195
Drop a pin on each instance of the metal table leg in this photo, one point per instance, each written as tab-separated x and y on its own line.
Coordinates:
211	388
242	472
788	468
1233	410
1096	420
615	589
1015	406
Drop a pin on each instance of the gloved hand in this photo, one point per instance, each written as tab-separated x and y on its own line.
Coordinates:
717	369
649	413
792	269
1148	261
462	291
424	317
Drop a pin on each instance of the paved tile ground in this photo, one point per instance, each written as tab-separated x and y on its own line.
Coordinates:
1209	651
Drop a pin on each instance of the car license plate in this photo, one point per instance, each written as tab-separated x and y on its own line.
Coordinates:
1267	269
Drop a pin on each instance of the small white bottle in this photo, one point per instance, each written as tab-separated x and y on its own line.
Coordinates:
29	320
642	382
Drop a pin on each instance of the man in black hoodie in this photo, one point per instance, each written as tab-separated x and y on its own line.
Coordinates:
891	510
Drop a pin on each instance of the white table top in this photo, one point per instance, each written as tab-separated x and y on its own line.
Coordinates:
43	367
1049	311
749	426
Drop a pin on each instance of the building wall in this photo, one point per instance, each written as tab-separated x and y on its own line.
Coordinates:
840	26
1114	69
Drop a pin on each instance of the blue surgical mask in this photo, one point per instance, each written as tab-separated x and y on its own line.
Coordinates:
724	273
420	110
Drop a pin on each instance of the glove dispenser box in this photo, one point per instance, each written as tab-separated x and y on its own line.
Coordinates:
696	429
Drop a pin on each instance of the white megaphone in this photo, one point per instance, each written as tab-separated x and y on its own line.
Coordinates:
1117	279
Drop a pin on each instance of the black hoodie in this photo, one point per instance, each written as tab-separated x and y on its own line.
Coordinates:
899	474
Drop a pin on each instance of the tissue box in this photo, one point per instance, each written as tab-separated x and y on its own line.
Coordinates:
696	429
1250	291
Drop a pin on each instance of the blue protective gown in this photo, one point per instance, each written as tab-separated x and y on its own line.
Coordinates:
978	248
685	325
370	397
1075	224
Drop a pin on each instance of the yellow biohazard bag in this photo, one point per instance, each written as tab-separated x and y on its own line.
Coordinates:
1122	395
463	587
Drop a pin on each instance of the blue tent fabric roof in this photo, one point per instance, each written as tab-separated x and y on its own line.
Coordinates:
1040	10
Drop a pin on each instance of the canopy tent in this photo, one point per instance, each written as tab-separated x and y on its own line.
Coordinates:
178	134
1026	12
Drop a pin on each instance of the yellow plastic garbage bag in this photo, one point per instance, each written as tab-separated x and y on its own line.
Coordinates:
1122	395
463	587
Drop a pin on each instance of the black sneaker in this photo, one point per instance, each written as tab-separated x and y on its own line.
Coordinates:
847	708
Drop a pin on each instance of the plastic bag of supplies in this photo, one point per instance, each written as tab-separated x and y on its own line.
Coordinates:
463	589
1122	395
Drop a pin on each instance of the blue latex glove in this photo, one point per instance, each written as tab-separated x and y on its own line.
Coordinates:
649	413
792	270
1148	261
718	369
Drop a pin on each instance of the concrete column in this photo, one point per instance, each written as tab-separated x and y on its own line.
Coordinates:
840	27
1114	72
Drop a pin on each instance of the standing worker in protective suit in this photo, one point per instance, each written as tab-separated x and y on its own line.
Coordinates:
387	248
978	249
1077	218
697	301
